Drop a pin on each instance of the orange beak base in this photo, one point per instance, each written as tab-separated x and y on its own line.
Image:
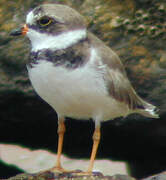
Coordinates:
19	31
24	29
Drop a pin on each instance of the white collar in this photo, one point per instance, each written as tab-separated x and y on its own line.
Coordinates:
44	41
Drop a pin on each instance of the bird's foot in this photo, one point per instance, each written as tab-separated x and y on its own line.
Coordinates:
86	173
58	169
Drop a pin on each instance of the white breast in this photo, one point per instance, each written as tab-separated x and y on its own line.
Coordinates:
79	93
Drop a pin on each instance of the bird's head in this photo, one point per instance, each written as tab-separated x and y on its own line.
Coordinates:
52	26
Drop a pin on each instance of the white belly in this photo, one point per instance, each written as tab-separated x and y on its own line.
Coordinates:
78	93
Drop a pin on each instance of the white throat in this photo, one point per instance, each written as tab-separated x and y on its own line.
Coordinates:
43	41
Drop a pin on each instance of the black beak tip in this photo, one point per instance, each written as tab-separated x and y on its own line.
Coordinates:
16	32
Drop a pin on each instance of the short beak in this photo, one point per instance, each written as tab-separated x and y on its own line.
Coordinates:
20	31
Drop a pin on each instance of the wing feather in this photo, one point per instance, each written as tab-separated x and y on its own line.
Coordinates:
118	85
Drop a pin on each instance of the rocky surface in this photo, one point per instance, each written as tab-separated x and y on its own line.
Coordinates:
79	175
75	175
136	31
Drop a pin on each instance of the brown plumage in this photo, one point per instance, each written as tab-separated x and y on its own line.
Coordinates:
117	82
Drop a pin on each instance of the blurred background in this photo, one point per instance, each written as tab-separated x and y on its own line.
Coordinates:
136	31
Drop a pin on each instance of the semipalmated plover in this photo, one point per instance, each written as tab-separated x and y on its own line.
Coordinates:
76	73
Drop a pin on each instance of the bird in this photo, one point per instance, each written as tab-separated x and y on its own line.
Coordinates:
76	73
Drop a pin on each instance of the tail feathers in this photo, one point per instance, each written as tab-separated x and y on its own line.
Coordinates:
148	110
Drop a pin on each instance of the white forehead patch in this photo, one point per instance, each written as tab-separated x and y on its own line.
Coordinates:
48	41
30	18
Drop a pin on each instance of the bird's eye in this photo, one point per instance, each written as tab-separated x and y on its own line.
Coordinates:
45	21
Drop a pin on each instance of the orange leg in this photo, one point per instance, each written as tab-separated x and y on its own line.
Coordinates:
96	140
61	131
